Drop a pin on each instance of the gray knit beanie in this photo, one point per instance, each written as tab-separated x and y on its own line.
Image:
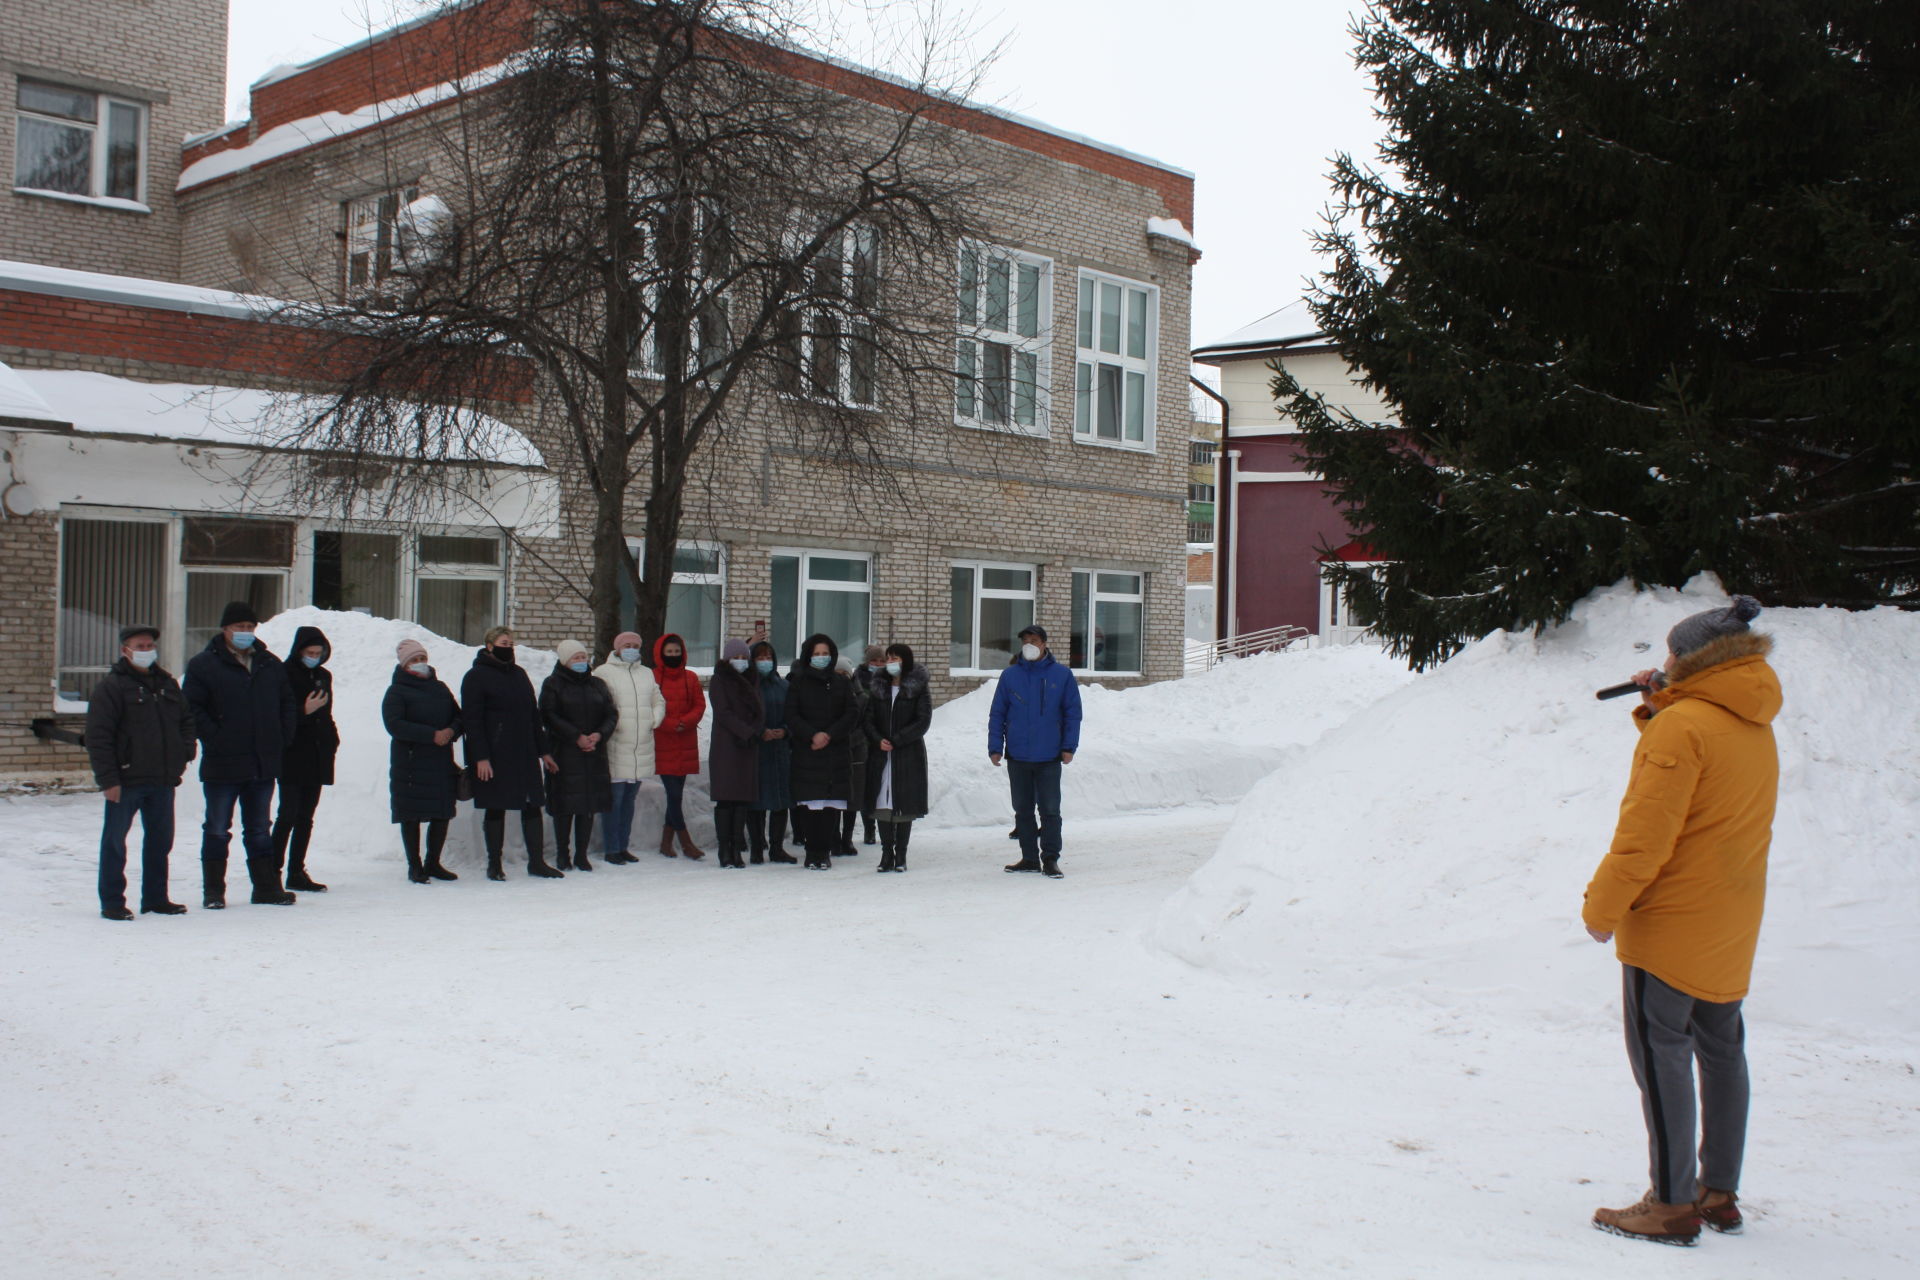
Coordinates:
1699	630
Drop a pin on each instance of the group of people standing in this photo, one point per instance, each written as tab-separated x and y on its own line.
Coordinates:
816	749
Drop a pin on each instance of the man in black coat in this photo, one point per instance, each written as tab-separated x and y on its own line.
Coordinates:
245	714
139	740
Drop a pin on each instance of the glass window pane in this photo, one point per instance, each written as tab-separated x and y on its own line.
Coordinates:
1110	317
52	100
836	569
995	381
1137	323
210	540
112	575
1077	623
458	608
1136	405
1082	398
453	550
969	288
1000	622
688	559
53	157
999	287
356	572
1026	388
1027	308
960	620
1107	426
209	593
1116	636
964	386
842	615
693	613
1007	579
1117	584
123	151
785	623
863	362
1086	314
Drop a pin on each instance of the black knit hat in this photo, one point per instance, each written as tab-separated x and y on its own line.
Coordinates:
139	629
1697	631
1035	630
238	611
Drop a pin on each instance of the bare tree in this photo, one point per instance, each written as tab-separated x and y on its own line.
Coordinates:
689	228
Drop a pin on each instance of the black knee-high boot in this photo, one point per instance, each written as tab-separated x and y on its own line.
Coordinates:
820	833
757	836
886	847
493	828
777	837
846	848
436	844
902	832
410	841
582	837
533	831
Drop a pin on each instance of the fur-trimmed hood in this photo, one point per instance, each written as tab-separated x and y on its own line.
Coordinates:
1730	672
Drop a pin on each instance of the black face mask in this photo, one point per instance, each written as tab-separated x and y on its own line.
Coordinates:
672	659
502	653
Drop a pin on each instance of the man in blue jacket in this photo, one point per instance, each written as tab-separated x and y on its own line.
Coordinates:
1035	725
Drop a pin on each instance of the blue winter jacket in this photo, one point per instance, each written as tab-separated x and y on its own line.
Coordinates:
1036	712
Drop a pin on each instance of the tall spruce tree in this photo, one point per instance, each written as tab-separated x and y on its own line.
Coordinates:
1643	298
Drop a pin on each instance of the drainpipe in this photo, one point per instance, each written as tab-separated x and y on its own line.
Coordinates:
1226	537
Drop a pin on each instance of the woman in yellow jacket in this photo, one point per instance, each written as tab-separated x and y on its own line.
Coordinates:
1680	895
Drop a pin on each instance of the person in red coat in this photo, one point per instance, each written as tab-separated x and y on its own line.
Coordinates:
676	743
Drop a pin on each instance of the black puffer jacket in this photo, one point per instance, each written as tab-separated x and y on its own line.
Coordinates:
573	705
820	702
139	731
244	714
902	721
504	728
421	776
316	740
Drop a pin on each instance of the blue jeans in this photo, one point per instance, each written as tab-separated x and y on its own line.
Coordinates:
676	820
255	799
155	807
618	828
1036	786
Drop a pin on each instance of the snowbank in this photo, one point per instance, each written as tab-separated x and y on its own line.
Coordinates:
1439	841
1206	739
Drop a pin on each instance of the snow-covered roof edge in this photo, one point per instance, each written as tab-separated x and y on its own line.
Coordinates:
164	295
1289	326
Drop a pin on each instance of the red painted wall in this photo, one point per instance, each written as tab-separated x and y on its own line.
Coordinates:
1281	527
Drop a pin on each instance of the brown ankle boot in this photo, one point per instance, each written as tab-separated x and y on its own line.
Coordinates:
1652	1220
1719	1210
666	843
688	849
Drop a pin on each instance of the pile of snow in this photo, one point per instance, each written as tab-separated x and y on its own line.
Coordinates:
1206	739
1439	842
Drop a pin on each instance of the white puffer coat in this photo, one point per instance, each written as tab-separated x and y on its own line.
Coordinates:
630	750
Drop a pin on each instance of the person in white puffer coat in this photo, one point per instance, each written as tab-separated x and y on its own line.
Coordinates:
630	750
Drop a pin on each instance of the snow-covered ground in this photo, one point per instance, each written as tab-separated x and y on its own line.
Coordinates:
670	1070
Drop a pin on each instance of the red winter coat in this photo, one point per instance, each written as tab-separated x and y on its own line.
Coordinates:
676	743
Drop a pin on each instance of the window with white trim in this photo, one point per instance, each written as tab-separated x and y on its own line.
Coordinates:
1116	338
113	574
459	584
711	336
372	240
830	340
990	605
824	592
696	599
1002	370
1106	634
231	559
79	143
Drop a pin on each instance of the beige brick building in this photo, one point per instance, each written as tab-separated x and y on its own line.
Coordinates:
1076	519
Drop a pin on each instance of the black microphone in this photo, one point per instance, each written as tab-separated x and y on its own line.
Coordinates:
1622	690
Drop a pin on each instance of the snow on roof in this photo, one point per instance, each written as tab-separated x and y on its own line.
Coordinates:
32	277
1171	229
100	404
1290	324
19	400
309	131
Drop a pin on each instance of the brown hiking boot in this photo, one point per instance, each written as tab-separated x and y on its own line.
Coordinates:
1720	1210
1652	1220
688	849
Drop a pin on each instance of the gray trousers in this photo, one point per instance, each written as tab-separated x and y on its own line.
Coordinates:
1668	1031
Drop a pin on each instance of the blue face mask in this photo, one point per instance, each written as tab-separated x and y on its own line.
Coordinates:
243	639
821	661
738	664
144	658
311	662
893	668
629	655
581	667
764	666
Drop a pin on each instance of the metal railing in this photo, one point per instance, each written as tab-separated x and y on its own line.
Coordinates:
1201	657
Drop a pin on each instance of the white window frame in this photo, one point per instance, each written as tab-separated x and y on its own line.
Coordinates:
682	578
645	362
983	592
1333	607
425	570
365	230
1094	597
173	593
976	334
1089	357
807	582
97	169
806	341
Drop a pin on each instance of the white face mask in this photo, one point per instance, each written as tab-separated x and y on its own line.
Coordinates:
893	668
1031	652
738	664
143	658
629	655
421	669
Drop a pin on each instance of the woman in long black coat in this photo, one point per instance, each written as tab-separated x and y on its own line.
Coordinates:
733	756
821	719
506	749
307	765
580	716
899	713
422	778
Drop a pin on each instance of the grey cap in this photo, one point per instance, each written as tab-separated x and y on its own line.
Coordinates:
1699	630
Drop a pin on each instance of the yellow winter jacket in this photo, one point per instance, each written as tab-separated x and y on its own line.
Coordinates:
1683	886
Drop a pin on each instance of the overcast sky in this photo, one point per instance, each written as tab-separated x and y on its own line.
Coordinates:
1252	96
